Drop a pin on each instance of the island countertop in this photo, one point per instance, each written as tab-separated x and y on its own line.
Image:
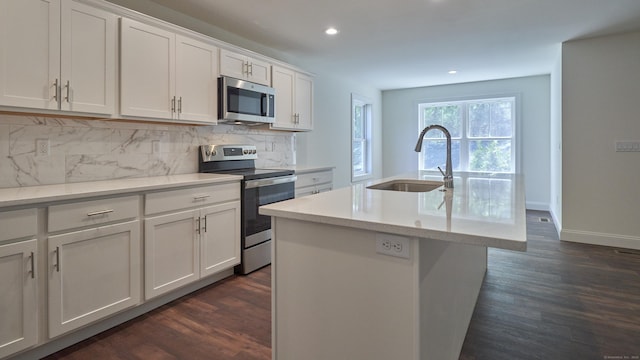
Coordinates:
481	209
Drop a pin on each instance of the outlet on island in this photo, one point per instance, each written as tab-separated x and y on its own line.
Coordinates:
393	245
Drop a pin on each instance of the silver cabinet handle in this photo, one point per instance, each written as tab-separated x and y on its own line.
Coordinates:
173	104
33	265
205	224
198	226
201	197
57	264
68	89
101	212
250	69
55	94
245	68
180	105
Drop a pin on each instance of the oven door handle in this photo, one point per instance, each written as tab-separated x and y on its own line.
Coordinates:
250	184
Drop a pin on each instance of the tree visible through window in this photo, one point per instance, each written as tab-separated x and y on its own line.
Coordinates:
482	132
361	120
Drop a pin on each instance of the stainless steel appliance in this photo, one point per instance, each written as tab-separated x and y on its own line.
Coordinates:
259	187
244	102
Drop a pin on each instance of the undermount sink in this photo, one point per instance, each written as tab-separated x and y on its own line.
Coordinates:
407	185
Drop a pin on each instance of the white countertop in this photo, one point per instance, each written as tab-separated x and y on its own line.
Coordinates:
47	193
482	209
307	169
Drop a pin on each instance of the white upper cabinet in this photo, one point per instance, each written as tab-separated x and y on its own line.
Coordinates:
196	80
147	75
30	62
166	76
244	67
294	100
88	53
57	55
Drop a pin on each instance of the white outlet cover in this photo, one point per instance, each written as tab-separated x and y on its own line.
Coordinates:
393	245
42	147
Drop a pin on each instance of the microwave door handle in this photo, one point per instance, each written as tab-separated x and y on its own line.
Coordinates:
265	105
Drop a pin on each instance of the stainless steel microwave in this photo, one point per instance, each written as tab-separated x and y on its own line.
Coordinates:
244	102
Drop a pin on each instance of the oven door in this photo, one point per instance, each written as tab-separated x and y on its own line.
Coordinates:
256	227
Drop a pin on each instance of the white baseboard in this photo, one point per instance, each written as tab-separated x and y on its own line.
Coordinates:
534	205
595	238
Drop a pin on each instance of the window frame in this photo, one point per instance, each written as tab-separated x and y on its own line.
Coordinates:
366	140
464	138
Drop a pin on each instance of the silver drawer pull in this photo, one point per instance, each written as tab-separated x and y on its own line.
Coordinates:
201	197
101	212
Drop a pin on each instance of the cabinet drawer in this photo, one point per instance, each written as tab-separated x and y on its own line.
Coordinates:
17	224
92	212
171	200
314	178
311	190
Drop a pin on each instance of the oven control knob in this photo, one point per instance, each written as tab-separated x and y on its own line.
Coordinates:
213	153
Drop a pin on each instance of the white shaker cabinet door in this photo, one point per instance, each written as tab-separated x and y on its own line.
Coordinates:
30	53
283	82
233	64
171	252
92	274
88	58
304	101
147	71
18	297
196	80
220	238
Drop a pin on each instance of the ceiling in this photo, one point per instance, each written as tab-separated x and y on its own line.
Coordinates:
399	44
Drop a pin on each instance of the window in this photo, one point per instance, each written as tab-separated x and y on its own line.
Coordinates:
482	133
361	122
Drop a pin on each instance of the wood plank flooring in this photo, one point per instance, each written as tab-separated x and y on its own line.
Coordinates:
558	300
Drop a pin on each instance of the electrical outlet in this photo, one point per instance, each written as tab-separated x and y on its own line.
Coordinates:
627	146
393	245
42	147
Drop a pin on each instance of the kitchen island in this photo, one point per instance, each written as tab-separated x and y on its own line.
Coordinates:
372	274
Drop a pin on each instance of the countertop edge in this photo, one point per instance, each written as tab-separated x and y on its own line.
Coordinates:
74	191
507	244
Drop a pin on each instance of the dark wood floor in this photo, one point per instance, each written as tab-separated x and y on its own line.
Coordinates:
558	300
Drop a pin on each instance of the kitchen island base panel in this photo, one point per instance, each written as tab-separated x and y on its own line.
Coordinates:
334	297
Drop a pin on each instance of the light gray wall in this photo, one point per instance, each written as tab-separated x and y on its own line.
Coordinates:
600	187
400	127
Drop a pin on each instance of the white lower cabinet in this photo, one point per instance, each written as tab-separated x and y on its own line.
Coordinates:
220	238
92	258
171	252
93	273
18	297
313	182
186	245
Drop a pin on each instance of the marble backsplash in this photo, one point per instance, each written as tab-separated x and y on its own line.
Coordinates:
90	150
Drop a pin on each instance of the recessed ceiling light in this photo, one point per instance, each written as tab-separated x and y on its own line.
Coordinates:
331	31
452	72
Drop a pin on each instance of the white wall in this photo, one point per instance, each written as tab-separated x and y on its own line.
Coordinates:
556	142
400	127
600	187
330	141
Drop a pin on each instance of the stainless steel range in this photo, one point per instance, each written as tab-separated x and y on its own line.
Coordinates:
259	187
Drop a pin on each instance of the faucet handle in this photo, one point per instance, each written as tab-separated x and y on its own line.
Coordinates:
441	172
